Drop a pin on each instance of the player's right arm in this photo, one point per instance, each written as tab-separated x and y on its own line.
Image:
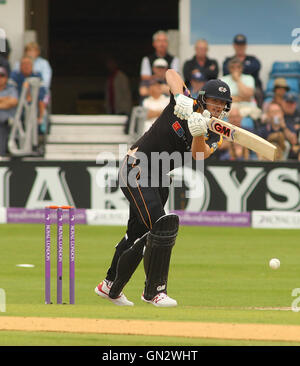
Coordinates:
184	104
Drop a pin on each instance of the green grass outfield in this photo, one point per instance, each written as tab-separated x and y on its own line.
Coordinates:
215	275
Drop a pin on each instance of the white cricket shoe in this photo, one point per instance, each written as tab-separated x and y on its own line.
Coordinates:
103	290
161	300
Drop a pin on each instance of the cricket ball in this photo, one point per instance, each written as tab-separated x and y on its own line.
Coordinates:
274	263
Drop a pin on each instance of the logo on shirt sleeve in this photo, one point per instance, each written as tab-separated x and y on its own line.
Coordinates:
178	129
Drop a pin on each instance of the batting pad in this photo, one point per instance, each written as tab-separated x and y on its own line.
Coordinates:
127	264
160	242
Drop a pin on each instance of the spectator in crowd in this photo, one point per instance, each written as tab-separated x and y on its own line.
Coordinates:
160	43
4	54
8	103
197	81
155	103
118	97
251	65
159	68
292	119
280	88
242	89
18	79
201	63
291	111
232	151
40	64
276	131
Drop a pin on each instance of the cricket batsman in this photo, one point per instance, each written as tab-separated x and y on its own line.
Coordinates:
151	233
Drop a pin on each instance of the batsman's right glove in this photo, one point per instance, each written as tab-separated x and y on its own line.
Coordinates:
184	106
197	123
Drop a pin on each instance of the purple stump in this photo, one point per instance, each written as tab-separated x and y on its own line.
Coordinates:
59	254
47	256
72	254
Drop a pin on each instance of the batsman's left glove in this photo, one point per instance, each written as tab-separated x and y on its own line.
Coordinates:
197	123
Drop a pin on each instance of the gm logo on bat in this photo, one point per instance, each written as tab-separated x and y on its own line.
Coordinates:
223	130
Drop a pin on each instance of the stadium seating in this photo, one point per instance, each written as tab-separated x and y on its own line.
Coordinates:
78	137
289	69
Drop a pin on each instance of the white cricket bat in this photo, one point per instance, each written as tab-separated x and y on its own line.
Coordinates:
243	137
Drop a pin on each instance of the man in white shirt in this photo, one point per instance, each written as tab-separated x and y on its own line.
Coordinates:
160	43
155	103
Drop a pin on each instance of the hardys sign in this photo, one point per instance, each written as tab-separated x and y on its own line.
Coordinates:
224	186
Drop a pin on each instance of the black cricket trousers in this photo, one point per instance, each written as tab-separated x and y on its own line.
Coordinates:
146	206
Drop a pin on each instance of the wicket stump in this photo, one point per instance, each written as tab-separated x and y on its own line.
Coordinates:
59	211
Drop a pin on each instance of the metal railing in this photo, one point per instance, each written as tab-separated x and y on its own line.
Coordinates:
137	122
23	138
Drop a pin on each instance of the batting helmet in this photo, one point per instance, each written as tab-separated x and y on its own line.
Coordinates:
217	89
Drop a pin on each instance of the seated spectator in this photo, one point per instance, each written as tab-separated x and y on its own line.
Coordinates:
4	55
242	89
292	119
280	88
159	68
251	65
8	103
201	63
118	97
160	43
230	150
197	81
276	130
18	79
155	103
291	111
40	65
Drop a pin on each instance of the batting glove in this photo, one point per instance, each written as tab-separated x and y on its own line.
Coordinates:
184	106
197	123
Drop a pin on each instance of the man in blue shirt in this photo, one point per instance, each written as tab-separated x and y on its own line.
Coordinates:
17	78
251	65
40	64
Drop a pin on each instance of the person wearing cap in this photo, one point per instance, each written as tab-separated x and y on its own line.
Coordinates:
160	43
291	111
292	119
200	62
159	69
197	82
280	88
8	103
177	136
155	103
251	64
